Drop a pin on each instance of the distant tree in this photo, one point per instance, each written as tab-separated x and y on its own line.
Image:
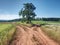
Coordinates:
27	12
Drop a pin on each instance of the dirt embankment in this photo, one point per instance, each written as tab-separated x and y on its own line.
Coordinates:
31	36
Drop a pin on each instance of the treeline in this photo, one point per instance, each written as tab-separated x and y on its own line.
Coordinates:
48	19
36	19
14	20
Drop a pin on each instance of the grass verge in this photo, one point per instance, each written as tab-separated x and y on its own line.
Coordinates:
6	33
53	31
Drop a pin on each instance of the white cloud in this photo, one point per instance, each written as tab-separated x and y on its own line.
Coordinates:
8	16
5	15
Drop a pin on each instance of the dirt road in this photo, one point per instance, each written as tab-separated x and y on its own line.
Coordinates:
31	36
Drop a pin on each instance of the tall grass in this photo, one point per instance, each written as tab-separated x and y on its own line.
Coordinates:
53	31
6	33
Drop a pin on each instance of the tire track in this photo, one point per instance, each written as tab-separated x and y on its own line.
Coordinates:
31	36
21	37
44	40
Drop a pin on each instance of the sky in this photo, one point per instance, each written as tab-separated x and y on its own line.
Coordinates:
9	9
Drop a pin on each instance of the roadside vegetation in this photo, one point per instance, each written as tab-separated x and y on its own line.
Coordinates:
53	31
6	33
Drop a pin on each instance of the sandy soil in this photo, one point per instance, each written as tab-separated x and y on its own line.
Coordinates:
31	36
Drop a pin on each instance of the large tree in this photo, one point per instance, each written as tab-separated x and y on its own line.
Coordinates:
27	12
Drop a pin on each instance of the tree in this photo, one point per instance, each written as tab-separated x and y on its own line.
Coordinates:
27	12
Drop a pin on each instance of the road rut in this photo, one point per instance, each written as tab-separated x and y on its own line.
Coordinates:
31	36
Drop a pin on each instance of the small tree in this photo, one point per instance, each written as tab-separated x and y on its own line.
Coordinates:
28	12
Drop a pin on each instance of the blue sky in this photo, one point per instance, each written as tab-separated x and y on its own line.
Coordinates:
44	8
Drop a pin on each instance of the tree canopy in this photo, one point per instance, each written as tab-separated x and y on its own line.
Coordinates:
27	12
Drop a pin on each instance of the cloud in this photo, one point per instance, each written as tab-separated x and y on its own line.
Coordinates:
8	16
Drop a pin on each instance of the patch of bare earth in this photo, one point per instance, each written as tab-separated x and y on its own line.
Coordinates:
31	36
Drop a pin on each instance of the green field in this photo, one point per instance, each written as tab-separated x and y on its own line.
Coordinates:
6	33
45	22
41	22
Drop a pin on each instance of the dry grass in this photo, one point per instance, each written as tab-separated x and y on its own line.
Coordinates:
53	31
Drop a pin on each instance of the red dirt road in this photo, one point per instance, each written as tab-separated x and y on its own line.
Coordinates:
31	36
